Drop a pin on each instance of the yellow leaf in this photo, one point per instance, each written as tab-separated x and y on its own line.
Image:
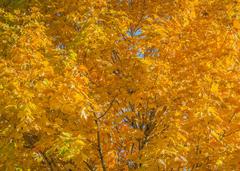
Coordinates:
219	162
236	24
215	135
214	88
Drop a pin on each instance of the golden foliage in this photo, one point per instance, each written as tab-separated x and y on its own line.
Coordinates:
119	85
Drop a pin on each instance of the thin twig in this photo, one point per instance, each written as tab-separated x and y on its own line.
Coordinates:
47	160
109	107
89	166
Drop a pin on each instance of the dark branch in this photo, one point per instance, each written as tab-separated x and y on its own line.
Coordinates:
109	107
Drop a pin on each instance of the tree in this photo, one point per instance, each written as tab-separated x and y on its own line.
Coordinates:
119	85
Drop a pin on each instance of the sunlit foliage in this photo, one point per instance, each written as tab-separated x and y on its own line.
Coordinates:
119	85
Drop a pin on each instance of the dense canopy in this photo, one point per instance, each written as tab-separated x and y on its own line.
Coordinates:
117	85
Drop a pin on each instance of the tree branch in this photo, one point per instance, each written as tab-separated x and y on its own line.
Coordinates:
99	146
109	107
47	161
89	166
97	121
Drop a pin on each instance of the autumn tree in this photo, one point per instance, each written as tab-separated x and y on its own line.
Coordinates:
119	85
